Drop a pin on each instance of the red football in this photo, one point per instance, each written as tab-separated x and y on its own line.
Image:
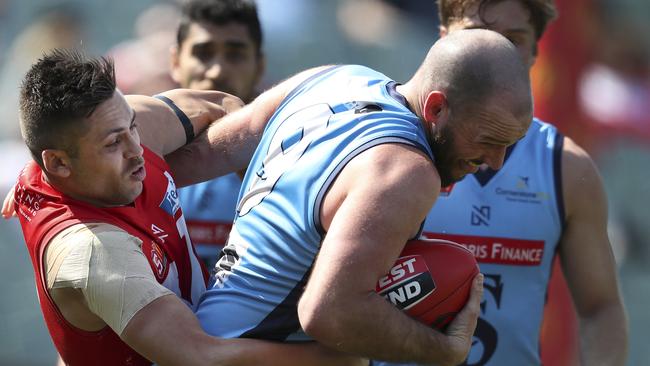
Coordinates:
430	280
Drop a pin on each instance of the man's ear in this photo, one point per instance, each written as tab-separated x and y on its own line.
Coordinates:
435	107
174	55
442	30
56	163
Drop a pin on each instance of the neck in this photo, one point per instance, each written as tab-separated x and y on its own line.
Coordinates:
415	102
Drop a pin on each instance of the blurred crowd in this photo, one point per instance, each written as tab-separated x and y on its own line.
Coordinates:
591	79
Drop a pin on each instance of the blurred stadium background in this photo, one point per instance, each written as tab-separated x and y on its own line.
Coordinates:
592	79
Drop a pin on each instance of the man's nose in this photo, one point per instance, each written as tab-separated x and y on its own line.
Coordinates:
494	159
214	70
134	148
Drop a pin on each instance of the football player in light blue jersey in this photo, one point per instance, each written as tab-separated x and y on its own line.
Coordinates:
346	171
219	47
546	200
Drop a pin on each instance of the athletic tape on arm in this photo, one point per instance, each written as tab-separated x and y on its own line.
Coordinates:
116	279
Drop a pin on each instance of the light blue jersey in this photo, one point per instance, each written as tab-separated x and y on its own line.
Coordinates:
319	127
512	221
209	209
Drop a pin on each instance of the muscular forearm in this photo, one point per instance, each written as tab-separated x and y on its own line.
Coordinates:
167	333
162	125
283	354
603	337
370	326
201	107
227	146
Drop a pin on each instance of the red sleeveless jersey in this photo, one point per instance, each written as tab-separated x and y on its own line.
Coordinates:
154	217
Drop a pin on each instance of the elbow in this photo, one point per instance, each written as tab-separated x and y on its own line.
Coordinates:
203	349
320	320
310	314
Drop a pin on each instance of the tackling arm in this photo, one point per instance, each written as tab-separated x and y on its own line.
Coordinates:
119	289
588	262
167	332
161	130
228	145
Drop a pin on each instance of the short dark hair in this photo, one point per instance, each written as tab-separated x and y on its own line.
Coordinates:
220	12
59	90
542	12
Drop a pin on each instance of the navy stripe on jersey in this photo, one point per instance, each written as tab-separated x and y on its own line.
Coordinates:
557	173
391	87
282	321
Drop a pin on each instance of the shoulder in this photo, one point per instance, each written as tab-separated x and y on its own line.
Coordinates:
294	81
544	131
105	234
97	235
581	181
91	234
395	165
69	253
114	277
397	182
577	165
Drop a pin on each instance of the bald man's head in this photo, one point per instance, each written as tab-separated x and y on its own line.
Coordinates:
472	93
473	67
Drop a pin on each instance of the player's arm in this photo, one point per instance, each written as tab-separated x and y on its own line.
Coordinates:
228	145
162	121
375	205
167	332
99	276
588	262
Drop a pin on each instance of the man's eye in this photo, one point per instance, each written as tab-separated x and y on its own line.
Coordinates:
203	53
235	56
114	143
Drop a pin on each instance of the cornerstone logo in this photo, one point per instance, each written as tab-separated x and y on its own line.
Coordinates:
522	192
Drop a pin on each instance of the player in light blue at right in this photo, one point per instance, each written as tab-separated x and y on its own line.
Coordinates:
347	168
546	200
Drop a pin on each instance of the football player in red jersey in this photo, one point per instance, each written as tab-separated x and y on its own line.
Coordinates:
116	273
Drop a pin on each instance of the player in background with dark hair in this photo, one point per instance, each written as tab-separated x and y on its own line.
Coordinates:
547	199
346	171
219	47
116	273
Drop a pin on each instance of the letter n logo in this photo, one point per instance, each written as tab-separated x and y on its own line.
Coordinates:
480	215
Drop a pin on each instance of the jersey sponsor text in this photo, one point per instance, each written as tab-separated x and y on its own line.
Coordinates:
499	250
